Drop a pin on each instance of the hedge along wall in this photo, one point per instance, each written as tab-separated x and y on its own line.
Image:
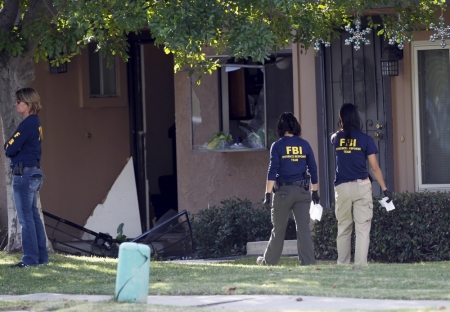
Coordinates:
222	231
417	230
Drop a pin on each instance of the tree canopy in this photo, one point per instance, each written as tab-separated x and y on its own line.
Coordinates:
242	28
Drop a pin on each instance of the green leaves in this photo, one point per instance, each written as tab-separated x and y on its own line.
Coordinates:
195	30
11	42
256	29
61	31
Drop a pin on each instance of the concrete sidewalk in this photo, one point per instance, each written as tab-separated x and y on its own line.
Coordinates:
258	302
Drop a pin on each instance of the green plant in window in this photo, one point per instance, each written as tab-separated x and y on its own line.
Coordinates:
219	140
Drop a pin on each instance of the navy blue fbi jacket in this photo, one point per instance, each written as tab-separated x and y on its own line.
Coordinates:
289	159
351	156
25	144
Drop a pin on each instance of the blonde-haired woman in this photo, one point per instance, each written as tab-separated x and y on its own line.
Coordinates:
24	151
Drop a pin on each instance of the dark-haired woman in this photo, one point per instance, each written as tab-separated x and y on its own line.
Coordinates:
290	158
353	188
24	151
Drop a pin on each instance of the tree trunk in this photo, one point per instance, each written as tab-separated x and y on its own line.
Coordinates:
15	73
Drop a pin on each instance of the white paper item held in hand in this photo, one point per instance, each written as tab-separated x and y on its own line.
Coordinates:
389	206
315	211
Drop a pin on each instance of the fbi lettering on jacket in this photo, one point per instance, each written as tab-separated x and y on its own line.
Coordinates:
347	146
293	153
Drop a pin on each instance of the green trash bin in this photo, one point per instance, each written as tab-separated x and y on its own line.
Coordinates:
133	273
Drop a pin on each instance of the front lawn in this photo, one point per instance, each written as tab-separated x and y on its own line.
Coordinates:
88	275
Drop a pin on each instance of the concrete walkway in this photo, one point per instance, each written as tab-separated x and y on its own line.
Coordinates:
258	302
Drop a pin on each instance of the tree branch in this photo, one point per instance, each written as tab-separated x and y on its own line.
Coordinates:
8	14
37	10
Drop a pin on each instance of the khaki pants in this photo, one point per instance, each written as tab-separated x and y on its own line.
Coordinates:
353	203
297	199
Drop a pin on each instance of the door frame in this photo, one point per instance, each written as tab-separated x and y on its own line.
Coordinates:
137	126
416	46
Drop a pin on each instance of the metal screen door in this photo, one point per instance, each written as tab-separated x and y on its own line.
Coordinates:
346	75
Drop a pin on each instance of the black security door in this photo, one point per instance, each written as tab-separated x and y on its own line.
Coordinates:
346	75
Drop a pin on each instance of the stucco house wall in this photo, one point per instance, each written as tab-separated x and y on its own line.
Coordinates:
86	141
305	103
206	178
403	135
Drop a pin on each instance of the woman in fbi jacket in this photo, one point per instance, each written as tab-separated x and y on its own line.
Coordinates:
24	151
353	188
290	158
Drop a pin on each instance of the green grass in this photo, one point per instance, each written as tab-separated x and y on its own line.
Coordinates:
382	281
86	275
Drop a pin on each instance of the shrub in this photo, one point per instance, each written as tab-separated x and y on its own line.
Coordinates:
417	230
224	231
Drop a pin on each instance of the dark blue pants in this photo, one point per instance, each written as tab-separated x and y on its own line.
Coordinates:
26	188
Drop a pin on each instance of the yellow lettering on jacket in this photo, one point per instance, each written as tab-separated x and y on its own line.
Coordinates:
293	153
347	146
295	150
350	142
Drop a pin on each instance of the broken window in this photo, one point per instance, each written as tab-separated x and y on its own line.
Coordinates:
238	107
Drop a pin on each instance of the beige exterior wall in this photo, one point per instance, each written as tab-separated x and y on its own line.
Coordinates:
305	103
206	178
403	134
80	169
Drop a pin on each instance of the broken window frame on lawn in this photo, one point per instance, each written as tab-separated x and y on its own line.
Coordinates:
172	239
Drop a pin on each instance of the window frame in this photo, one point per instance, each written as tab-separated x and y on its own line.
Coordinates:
82	74
224	100
101	62
415	47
